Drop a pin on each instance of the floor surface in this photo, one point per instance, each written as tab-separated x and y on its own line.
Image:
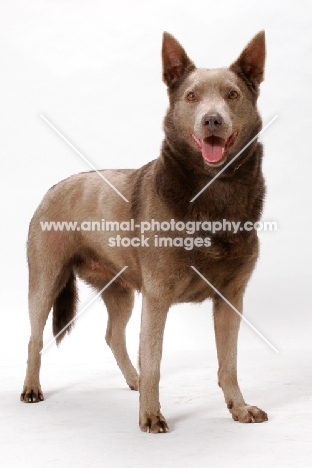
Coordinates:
89	416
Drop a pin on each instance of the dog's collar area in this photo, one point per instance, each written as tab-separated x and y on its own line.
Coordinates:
237	167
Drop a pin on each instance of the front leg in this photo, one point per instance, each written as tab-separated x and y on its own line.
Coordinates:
154	314
226	324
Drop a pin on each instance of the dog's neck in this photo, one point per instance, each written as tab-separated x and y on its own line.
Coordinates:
178	180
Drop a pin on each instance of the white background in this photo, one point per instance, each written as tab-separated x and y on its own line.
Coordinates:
93	68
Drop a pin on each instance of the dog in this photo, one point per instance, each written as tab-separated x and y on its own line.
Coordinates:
205	173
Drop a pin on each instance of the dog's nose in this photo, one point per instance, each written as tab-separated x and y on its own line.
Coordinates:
212	121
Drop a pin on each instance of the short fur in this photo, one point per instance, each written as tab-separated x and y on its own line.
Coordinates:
204	104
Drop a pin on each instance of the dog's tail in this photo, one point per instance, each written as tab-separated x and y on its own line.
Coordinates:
64	309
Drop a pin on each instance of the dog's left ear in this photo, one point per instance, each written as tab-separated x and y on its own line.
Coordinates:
251	61
175	61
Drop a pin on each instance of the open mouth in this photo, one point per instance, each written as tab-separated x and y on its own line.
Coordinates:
214	148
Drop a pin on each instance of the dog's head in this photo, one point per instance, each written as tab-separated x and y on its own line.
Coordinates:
213	111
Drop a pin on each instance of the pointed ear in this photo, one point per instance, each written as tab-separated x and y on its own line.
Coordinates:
175	60
250	63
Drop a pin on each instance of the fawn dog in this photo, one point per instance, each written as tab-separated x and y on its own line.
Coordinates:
212	116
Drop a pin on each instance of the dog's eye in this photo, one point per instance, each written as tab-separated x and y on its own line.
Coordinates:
233	94
191	96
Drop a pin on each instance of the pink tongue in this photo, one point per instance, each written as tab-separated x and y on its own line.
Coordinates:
212	148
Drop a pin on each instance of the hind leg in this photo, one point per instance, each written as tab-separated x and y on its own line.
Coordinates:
45	282
119	303
39	308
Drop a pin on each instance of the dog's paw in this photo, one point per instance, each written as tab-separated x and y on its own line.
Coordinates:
248	414
154	423
133	382
32	396
133	385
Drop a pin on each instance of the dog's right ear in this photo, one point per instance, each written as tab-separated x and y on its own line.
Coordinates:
175	61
